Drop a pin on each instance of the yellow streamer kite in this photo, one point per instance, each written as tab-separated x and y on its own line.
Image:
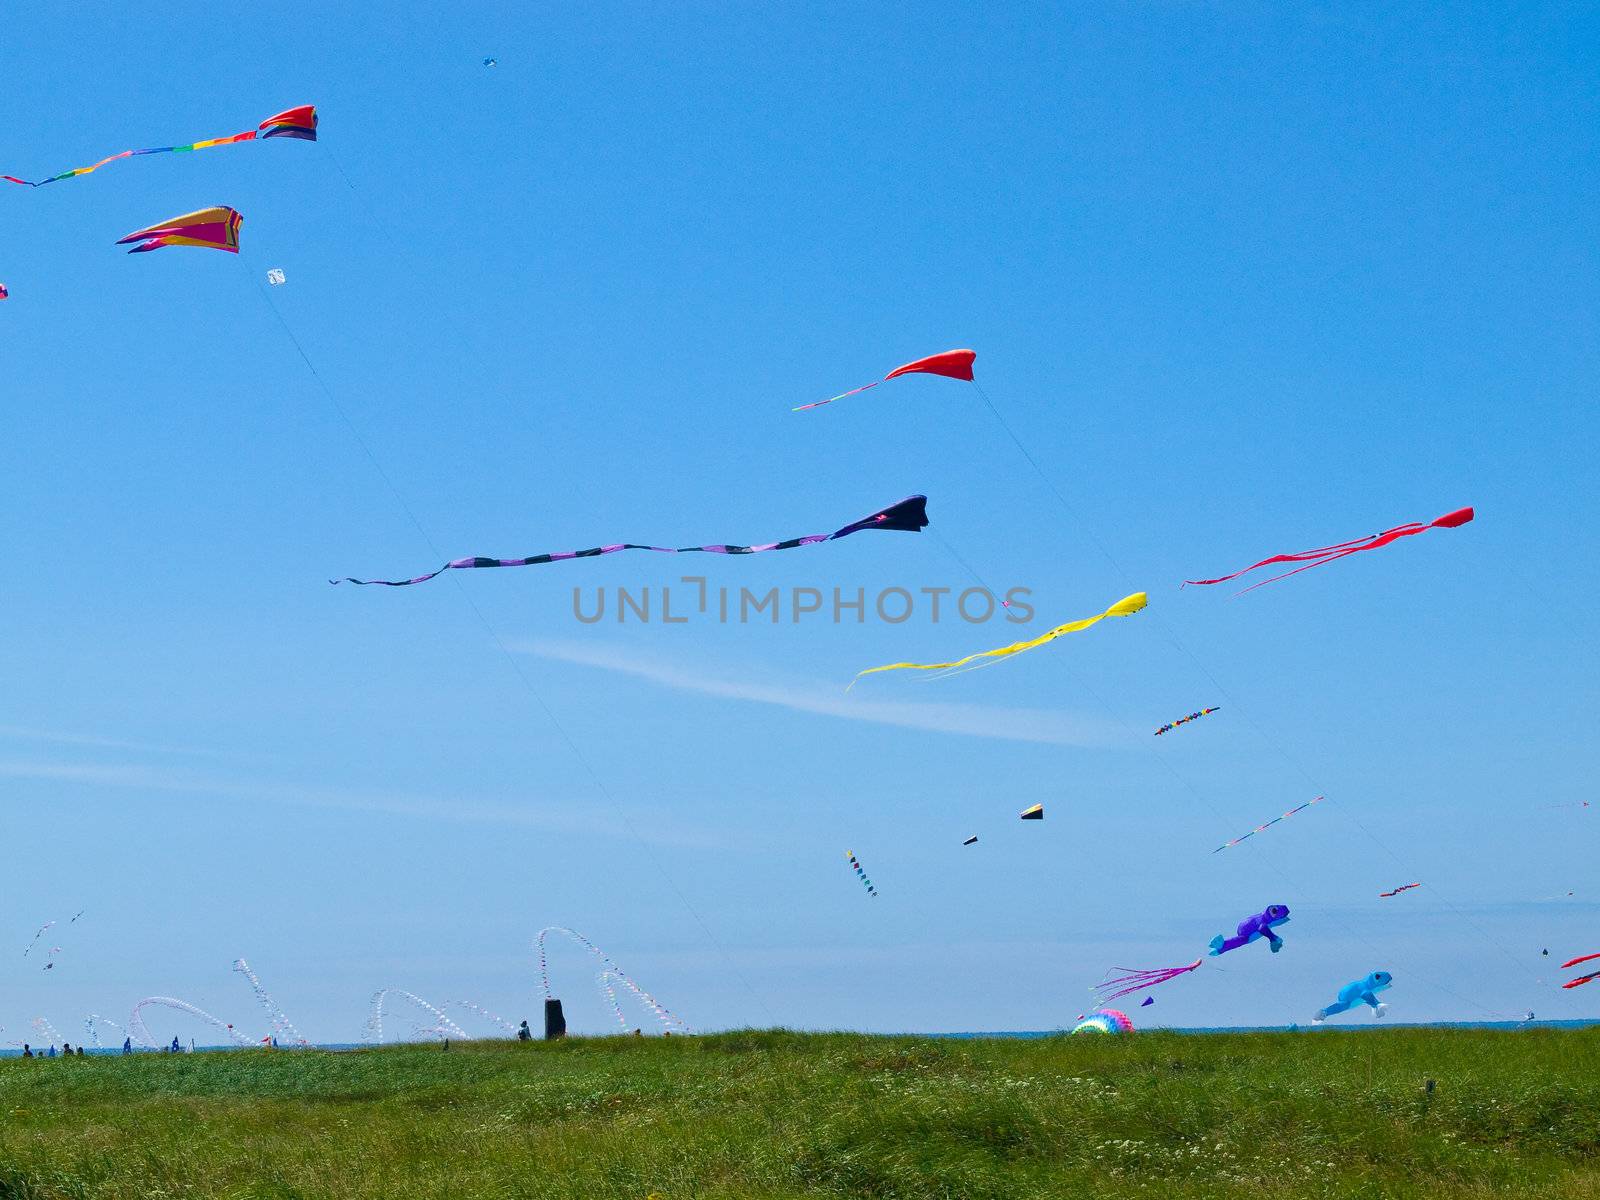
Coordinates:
1125	607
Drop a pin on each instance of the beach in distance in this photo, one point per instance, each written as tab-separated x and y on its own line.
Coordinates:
1384	1112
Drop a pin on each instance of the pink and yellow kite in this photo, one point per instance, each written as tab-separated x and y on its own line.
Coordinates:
211	229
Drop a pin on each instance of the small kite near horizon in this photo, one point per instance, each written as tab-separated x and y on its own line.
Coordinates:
970	840
1033	813
952	364
1328	554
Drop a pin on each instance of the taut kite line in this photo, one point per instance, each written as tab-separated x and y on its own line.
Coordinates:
1125	607
952	364
909	515
299	123
1328	554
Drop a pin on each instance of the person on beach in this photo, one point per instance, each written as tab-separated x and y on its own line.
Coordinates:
127	1045
27	1050
52	1051
176	1048
66	1049
524	1034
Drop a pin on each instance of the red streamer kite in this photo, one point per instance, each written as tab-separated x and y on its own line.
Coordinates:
1328	554
952	364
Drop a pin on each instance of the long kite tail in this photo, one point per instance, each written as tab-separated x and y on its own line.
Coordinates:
1135	979
909	516
298	123
1326	554
840	396
1125	607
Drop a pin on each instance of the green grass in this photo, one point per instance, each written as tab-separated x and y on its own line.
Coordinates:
1262	1115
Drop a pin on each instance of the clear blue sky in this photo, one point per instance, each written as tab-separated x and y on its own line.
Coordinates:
1245	279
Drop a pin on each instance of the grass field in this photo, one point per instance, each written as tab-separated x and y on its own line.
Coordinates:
1325	1114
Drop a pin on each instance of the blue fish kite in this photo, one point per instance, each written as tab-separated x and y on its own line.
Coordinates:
1251	928
1360	991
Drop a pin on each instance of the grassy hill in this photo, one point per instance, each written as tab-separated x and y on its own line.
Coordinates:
777	1114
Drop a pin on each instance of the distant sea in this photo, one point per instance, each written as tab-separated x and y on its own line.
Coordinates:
1307	1027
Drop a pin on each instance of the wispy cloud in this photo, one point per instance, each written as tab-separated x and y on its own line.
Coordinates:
181	781
87	741
1040	725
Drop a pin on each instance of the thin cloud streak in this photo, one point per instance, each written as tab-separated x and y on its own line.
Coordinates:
177	781
1036	725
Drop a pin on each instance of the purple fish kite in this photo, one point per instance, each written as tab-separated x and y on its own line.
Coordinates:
1253	928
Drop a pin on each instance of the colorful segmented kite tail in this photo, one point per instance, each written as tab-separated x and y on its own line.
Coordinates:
1133	979
1328	554
909	515
860	874
1268	825
299	123
1404	887
1194	716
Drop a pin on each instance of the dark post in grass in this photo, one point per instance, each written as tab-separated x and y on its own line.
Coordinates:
555	1024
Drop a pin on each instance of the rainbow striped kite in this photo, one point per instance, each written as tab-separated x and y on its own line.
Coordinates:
299	123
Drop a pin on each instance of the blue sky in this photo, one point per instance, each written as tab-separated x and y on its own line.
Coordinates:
1243	278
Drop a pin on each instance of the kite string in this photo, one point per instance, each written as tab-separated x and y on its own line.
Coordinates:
1167	632
516	666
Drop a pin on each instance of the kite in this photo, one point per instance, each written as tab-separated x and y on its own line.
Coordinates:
1581	979
1194	716
36	937
490	62
215	228
1125	607
970	840
1360	991
1404	887
952	364
909	515
299	123
5	292
1328	554
1034	813
1104	1020
276	277
1147	1002
860	874
1258	926
1135	979
1274	821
